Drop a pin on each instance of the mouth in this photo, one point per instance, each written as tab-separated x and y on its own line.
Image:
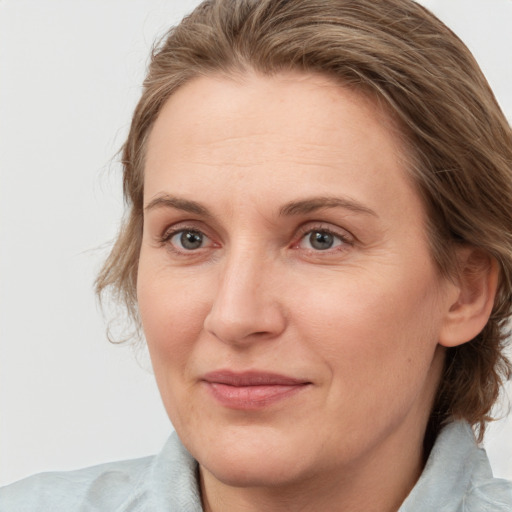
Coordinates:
251	390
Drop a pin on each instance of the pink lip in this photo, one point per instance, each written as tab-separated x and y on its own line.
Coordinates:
251	390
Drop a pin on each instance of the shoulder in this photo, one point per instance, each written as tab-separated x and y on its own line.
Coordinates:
482	491
493	495
167	481
458	477
106	486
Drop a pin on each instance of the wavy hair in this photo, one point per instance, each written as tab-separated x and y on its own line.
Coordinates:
459	141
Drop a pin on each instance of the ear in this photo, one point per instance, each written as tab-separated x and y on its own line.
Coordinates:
471	304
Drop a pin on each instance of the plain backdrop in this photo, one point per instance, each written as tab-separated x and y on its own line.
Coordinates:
70	75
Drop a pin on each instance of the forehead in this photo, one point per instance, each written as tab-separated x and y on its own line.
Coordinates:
214	108
289	133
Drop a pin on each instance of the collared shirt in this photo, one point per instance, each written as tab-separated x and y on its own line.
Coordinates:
456	478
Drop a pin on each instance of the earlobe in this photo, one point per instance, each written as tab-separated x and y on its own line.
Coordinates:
476	286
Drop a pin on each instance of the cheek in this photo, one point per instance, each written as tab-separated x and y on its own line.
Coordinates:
378	338
172	315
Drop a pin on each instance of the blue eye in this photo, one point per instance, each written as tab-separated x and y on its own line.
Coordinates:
321	240
188	239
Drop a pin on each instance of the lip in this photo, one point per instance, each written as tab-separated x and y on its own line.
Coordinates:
251	390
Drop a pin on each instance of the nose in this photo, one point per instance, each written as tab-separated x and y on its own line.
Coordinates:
247	305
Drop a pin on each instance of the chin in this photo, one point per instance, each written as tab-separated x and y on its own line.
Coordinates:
242	458
256	471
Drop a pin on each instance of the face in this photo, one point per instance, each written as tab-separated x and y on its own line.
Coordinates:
289	300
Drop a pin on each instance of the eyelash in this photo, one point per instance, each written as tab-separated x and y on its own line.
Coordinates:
169	234
344	239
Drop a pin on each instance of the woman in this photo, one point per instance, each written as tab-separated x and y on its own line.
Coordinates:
319	250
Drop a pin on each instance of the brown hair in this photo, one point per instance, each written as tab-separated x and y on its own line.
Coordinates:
459	141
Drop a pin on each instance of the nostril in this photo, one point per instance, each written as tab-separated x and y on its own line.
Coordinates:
244	329
242	309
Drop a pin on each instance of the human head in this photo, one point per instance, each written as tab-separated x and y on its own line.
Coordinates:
459	143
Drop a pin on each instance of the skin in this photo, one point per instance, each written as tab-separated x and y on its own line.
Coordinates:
361	321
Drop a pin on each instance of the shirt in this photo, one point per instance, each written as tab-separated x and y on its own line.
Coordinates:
456	478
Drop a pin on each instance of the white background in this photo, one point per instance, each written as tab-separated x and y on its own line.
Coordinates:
70	74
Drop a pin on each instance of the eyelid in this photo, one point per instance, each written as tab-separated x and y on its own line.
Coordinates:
345	242
171	231
163	239
341	233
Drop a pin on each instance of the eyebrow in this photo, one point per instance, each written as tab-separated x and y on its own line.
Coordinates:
301	207
312	204
168	201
